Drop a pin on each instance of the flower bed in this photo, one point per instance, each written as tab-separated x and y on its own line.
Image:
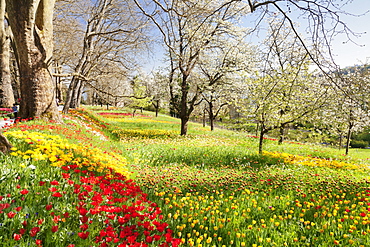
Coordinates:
77	196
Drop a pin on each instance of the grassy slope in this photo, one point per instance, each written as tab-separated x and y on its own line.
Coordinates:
173	169
215	190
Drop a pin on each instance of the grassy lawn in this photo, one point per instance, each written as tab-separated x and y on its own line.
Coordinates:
204	189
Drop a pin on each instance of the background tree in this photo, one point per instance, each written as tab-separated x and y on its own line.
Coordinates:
218	67
31	24
349	110
140	97
285	91
187	28
158	88
6	90
112	35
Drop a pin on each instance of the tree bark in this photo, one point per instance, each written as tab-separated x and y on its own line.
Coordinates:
5	146
184	114
211	115
349	133
78	99
31	23
6	90
340	140
281	134
260	144
204	117
156	105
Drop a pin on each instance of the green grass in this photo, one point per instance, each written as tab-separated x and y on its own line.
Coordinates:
215	190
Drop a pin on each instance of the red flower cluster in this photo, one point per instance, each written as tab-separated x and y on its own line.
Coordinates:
117	208
130	219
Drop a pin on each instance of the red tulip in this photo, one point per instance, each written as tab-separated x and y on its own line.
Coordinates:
11	214
17	236
57	194
34	231
24	192
54	182
54	228
83	235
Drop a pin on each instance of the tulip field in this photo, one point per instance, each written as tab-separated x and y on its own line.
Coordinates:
105	178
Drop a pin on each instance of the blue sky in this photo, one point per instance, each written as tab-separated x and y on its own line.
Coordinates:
347	54
344	53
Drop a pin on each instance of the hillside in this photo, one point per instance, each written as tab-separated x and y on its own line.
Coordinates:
135	182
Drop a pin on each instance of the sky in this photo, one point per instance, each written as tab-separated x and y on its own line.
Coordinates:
348	54
345	53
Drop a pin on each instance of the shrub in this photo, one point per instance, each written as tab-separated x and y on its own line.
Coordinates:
359	144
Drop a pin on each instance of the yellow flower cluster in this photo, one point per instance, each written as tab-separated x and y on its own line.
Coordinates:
140	120
144	133
313	161
59	152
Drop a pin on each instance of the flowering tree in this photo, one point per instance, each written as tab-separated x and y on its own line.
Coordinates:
349	109
285	90
187	29
218	69
140	97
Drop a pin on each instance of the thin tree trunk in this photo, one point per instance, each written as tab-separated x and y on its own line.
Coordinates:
184	116
340	140
58	83
260	144
204	117
69	95
74	99
281	136
349	133
79	94
211	116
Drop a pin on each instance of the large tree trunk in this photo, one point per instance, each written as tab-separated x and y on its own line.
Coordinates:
31	23
184	125
6	90
5	146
